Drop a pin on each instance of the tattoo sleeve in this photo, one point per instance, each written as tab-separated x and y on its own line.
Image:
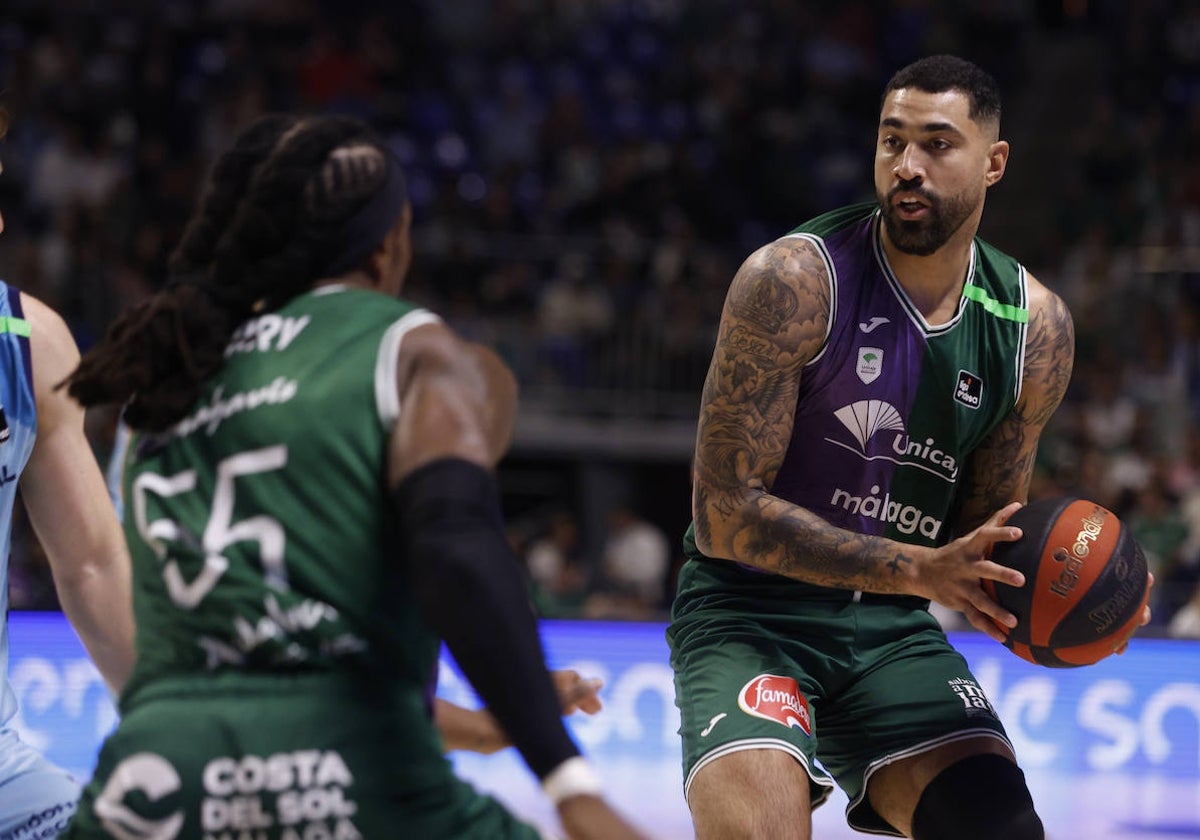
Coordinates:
775	320
1000	470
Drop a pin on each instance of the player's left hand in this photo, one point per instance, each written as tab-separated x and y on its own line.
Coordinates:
1145	620
576	694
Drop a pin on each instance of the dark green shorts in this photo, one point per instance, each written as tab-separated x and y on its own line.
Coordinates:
845	687
280	759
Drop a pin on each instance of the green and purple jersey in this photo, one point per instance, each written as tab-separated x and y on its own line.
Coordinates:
891	407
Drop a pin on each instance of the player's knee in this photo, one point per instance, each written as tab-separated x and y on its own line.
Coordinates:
983	797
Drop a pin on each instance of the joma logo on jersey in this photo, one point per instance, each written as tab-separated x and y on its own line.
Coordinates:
776	698
867	418
969	390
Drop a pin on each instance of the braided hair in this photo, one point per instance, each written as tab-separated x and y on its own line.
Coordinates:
277	215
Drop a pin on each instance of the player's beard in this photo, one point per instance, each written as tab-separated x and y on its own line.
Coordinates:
921	237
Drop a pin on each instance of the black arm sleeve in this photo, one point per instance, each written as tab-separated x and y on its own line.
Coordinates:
471	590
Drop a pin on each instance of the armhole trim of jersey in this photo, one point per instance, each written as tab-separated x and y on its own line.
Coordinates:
1023	286
831	273
19	326
114	473
387	396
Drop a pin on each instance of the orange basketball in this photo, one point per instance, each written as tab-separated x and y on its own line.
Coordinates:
1085	583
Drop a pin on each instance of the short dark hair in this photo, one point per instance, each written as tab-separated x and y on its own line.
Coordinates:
938	73
5	120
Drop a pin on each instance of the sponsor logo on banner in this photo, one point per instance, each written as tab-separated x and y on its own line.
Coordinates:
776	698
870	364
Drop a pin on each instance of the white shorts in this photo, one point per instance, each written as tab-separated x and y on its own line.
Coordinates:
37	798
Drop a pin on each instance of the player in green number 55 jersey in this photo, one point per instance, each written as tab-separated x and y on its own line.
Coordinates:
311	510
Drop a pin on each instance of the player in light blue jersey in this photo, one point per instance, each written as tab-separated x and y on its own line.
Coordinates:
45	455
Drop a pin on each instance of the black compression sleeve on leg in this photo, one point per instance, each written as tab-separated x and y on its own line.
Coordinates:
983	797
471	589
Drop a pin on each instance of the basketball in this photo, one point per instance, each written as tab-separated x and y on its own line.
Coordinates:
1085	583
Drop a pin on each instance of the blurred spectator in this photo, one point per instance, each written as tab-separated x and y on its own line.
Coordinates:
571	313
1110	414
556	568
30	585
633	573
1185	624
587	176
1157	380
1157	525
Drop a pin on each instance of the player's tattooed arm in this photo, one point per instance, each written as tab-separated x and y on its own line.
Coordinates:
1001	469
775	320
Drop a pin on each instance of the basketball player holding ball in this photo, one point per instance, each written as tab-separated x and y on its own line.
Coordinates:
869	422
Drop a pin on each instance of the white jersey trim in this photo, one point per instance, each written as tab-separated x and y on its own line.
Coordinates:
916	749
387	396
1019	384
910	308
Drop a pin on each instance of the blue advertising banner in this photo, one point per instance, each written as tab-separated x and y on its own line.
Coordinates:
1139	712
1133	717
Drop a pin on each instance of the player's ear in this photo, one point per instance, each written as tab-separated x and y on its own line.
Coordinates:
997	162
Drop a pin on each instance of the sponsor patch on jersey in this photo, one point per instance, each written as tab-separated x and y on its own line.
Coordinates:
771	697
875	321
969	390
153	778
907	518
870	364
974	700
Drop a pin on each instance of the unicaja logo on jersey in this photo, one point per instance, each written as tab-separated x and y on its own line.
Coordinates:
867	418
776	698
870	364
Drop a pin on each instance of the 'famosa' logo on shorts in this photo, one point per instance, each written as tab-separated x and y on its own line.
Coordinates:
776	698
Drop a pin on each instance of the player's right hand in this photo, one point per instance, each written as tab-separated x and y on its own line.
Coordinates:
952	575
591	818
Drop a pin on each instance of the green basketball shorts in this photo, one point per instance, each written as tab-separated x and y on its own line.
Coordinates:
845	687
280	758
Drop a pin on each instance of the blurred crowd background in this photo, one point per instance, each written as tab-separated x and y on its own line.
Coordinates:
587	175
